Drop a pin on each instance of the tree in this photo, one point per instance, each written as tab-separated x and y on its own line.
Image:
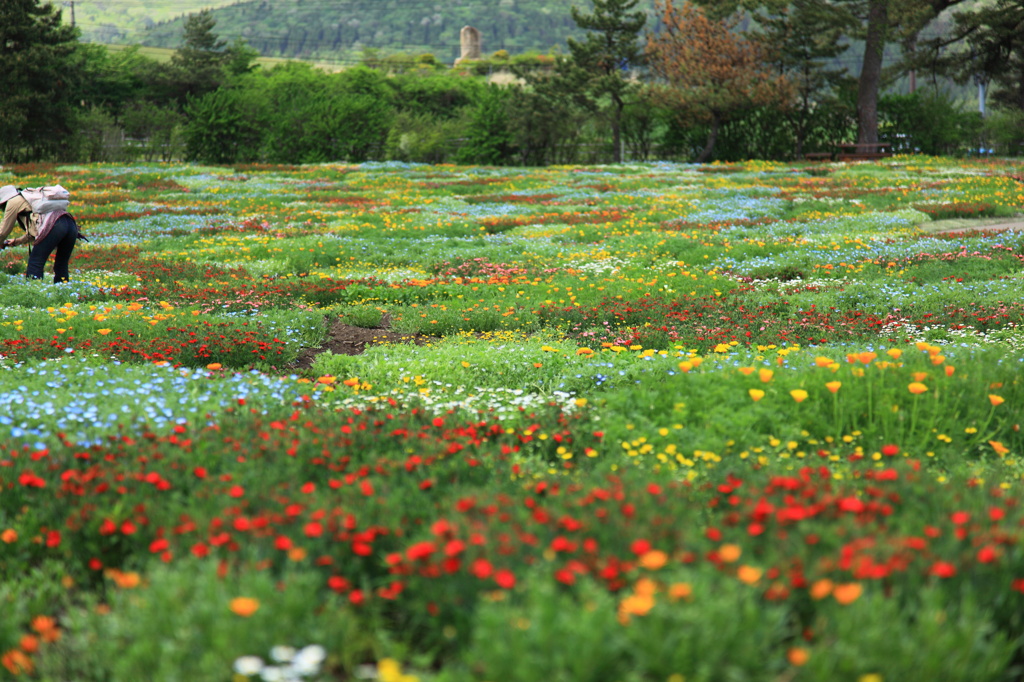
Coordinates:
805	38
38	79
709	72
611	47
204	61
991	48
882	21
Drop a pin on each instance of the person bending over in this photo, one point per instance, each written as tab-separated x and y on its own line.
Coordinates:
49	232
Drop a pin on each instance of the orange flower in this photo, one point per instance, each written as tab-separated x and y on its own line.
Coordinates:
746	371
9	536
126	581
822	361
847	593
938	359
949	370
833	386
584	351
636	605
894	353
821	588
213	366
798	655
29	644
46	627
999	447
244	606
679	591
919	376
729	552
756	394
765	375
104	332
867	356
653	560
645	586
17	662
749	574
917	388
995	399
799	394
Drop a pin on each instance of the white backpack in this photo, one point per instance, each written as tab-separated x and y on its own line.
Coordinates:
47	199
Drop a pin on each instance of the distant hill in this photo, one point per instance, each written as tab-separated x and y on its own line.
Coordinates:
339	30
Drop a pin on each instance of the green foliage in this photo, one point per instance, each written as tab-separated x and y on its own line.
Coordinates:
218	128
488	138
927	123
422	138
179	625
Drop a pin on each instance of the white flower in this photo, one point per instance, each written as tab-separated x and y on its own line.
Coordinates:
272	674
308	660
248	665
282	654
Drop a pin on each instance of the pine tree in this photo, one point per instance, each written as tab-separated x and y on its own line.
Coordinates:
38	80
610	48
199	64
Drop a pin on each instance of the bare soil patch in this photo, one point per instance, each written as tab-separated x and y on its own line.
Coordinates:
346	339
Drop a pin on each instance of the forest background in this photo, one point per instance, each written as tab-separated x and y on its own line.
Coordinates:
595	82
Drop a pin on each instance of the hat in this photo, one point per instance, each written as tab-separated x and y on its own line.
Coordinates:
7	192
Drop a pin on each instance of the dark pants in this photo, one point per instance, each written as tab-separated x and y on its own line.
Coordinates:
62	238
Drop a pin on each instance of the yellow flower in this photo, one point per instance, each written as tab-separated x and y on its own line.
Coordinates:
917	388
756	394
833	386
799	395
104	332
822	361
995	399
584	351
870	677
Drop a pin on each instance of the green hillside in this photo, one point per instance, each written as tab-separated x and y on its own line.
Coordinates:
339	30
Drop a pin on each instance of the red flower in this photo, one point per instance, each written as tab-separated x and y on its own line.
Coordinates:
482	568
942	569
960	517
640	547
987	554
505	578
421	550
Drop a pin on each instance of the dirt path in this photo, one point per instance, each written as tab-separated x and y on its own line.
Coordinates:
958	225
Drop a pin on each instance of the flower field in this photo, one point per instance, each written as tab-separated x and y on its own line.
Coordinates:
660	422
